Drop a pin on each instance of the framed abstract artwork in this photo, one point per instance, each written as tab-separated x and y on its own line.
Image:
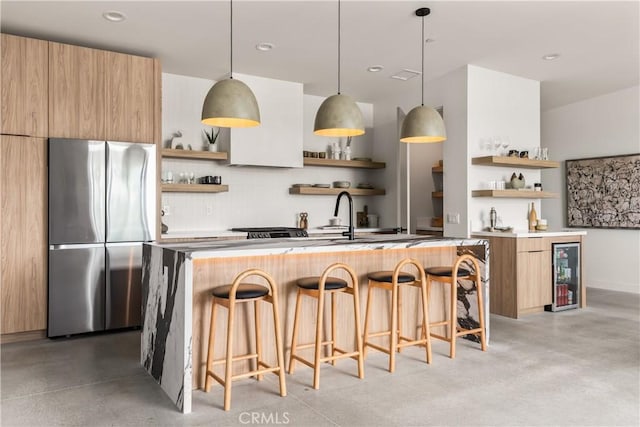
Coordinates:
604	192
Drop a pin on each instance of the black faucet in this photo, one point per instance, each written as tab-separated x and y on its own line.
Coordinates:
351	232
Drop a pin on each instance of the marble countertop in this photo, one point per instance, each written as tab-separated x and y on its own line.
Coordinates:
527	233
255	247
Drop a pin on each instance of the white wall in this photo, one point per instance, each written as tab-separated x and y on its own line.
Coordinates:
602	126
501	105
257	196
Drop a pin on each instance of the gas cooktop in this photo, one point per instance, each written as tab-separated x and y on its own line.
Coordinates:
272	232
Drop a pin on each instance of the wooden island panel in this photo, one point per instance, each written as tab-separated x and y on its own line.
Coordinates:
285	269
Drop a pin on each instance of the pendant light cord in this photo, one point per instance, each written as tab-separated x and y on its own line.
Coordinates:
338	47
422	43
231	40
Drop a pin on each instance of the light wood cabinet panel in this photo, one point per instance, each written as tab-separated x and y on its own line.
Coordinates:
76	92
534	280
130	94
24	86
23	234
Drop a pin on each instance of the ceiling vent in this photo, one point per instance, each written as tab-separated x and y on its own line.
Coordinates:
405	74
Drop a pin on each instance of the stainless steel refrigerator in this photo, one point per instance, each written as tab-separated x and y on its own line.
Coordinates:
102	198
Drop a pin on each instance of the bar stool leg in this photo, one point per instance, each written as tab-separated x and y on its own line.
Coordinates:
426	331
367	316
359	345
483	340
399	332
279	347
294	340
256	309
210	348
393	334
318	343
334	331
453	321
228	369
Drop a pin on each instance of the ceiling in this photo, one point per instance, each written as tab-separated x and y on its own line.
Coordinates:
598	42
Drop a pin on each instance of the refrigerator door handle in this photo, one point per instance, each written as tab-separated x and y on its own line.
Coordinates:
76	246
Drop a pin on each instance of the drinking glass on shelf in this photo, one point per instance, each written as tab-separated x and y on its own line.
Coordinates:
192	178
496	143
506	141
545	154
534	154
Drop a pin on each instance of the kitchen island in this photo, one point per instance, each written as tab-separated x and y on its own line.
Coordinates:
178	278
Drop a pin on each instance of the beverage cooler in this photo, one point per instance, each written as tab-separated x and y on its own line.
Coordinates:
566	276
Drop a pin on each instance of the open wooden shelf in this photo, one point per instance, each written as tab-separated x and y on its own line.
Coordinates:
514	161
515	194
315	191
197	155
194	188
312	161
437	169
437	194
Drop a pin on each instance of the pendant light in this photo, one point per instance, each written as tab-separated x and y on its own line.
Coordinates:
230	103
339	115
423	124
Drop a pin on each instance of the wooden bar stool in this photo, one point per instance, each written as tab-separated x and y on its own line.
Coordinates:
317	287
393	281
228	296
451	275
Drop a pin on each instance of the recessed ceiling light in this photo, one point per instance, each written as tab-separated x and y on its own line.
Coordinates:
375	68
551	56
406	74
114	16
264	47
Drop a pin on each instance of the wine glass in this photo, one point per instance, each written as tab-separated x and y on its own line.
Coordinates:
506	142
496	142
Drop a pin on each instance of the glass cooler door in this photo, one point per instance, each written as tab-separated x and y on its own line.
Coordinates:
566	276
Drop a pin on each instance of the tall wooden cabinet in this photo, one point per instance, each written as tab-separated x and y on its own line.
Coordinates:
24	86
23	233
96	94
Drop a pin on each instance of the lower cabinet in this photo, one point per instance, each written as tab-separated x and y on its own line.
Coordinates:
521	274
23	234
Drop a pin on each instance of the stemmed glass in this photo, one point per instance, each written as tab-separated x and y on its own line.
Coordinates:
506	142
497	142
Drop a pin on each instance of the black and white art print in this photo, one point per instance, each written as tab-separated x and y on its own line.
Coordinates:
604	192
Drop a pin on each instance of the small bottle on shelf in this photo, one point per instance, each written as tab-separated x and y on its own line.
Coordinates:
533	218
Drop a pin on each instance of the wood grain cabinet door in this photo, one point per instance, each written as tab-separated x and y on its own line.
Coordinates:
130	98
76	92
534	279
24	86
23	234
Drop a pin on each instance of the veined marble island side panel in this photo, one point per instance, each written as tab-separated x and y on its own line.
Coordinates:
187	273
166	343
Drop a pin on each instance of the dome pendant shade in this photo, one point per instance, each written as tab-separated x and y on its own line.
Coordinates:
231	104
338	116
423	124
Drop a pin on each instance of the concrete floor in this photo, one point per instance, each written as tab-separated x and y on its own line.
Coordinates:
580	367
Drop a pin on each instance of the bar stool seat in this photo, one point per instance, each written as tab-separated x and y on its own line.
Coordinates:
331	284
450	275
393	281
387	276
317	287
447	272
229	296
244	291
